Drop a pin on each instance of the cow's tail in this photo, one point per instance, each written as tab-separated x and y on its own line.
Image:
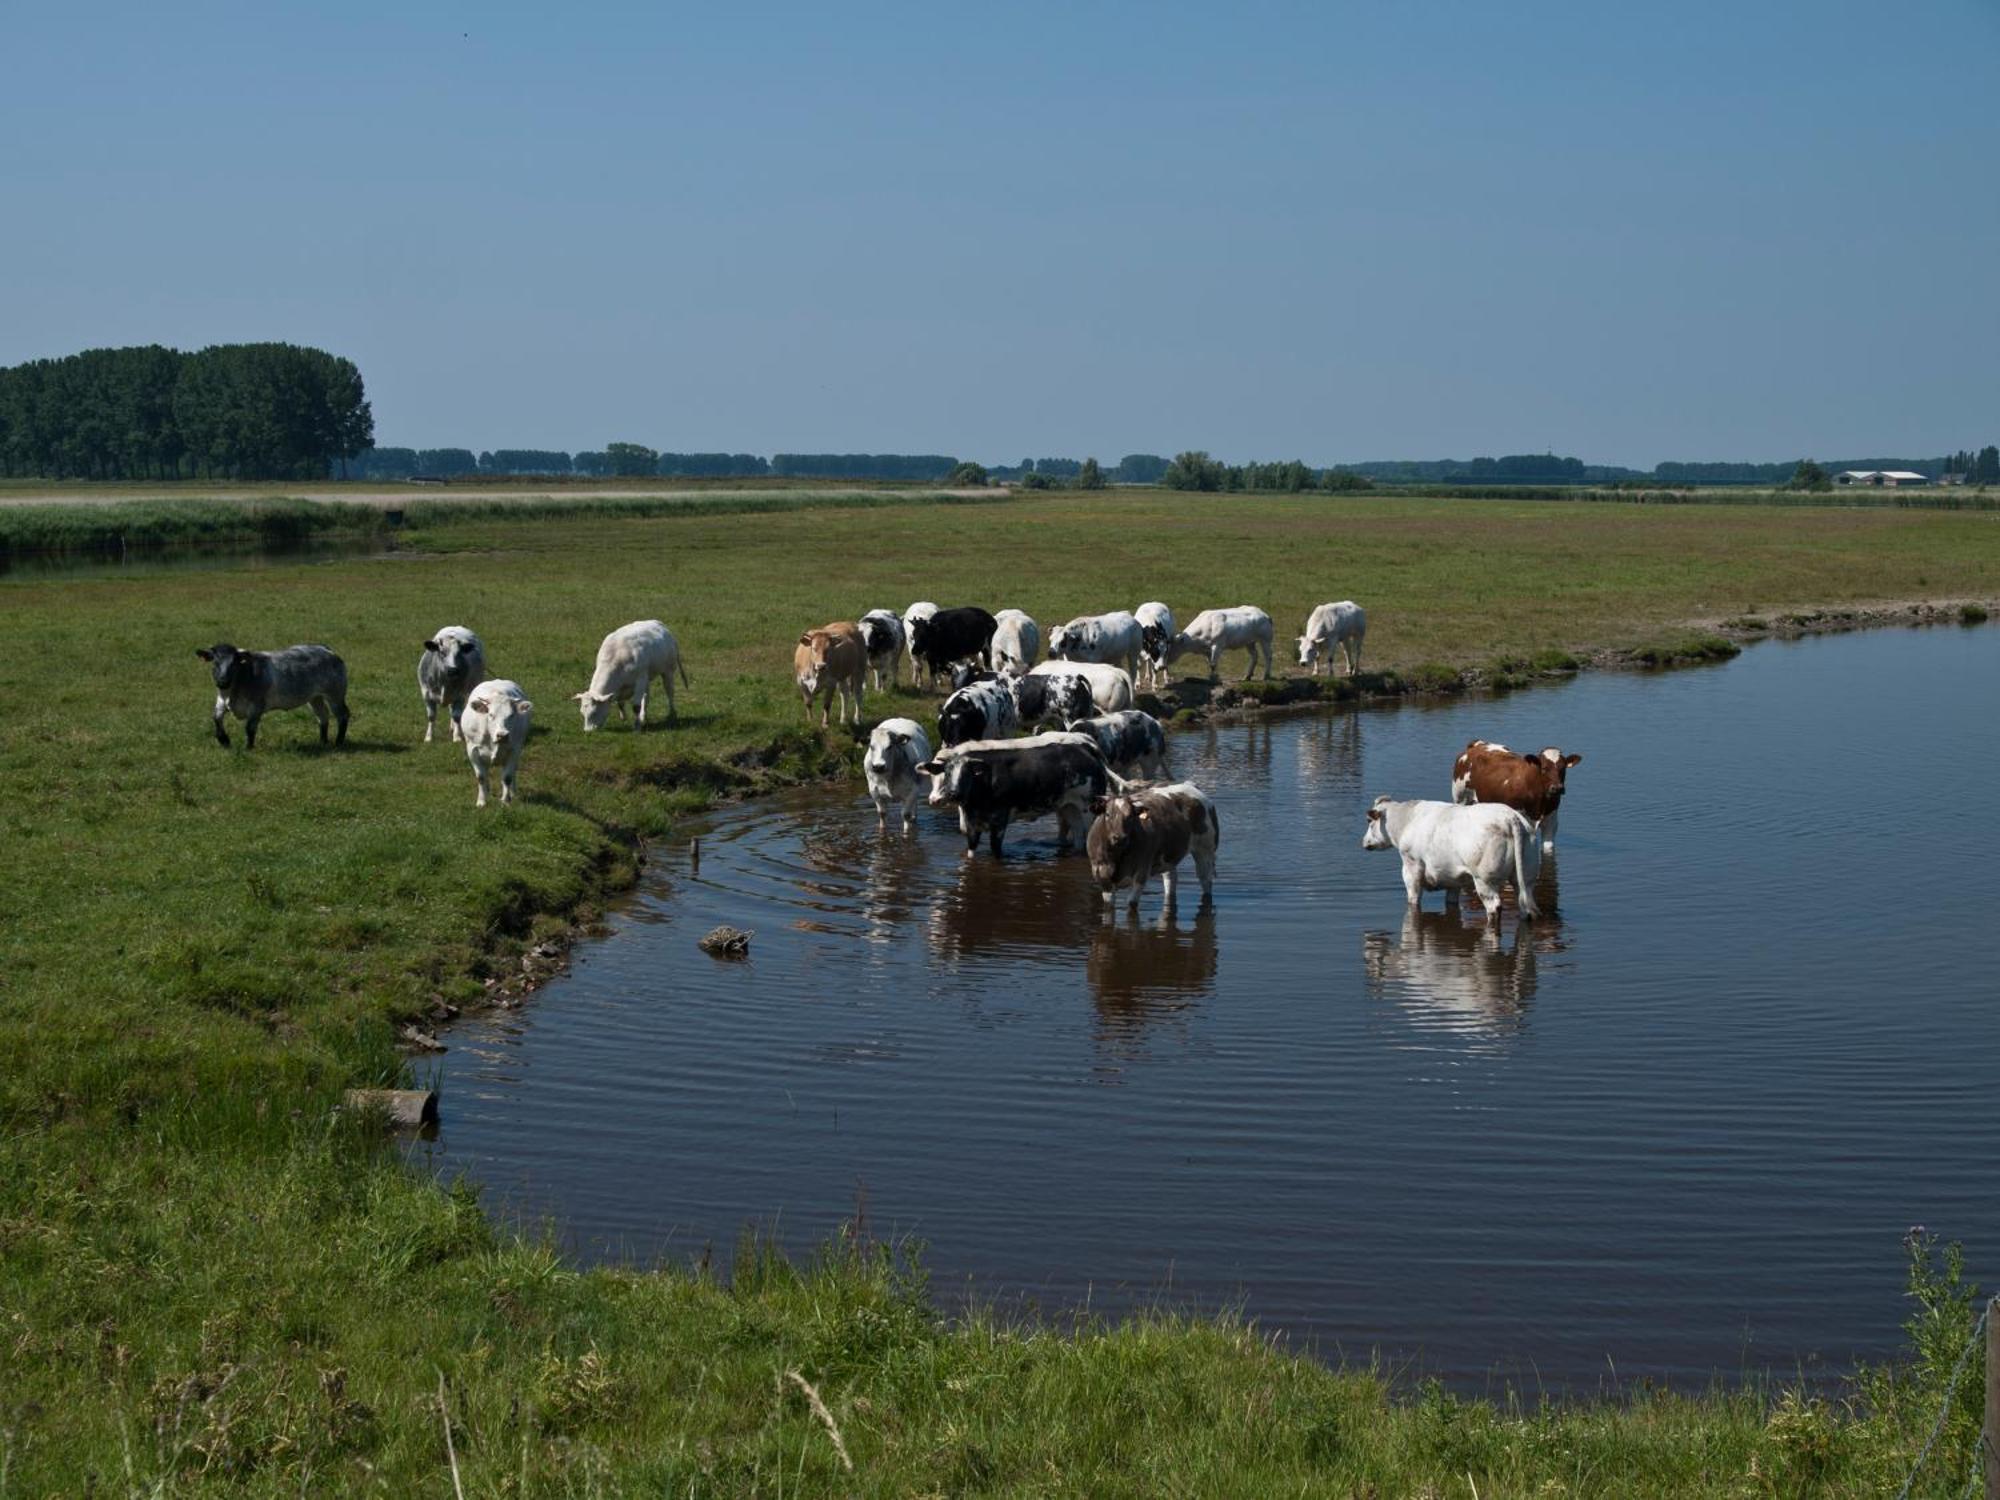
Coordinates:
1525	866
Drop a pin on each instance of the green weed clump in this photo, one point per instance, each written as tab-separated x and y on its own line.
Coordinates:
1687	651
1972	614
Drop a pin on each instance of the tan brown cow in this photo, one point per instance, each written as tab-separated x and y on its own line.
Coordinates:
832	659
1532	785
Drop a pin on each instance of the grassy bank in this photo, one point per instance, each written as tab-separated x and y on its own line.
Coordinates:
125	528
208	1281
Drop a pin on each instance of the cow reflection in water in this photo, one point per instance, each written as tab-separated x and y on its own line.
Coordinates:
1144	973
1329	748
1460	977
1033	909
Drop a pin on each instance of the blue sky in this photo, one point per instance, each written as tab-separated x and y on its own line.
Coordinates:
1328	231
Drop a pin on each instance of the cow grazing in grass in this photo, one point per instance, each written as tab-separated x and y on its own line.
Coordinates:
1533	785
828	661
251	684
1243	627
1446	847
1113	639
495	728
453	663
627	662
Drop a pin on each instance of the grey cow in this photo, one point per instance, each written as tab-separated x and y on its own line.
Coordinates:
453	664
251	684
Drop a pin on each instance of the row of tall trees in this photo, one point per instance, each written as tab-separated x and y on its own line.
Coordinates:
230	411
1196	470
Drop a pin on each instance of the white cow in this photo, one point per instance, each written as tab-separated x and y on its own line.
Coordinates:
627	662
923	609
1017	642
1214	631
1156	626
1111	638
895	749
1110	687
883	635
1448	847
495	729
1337	630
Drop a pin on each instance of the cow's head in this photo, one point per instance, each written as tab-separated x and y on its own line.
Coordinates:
966	673
921	632
453	652
1061	639
955	779
1309	650
596	708
960	720
1377	836
876	634
1554	768
809	660
1123	824
228	665
885	747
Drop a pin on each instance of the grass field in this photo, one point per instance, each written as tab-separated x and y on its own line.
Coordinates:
208	1281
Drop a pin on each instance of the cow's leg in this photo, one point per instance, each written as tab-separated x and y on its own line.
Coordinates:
318	706
910	811
221	733
1489	897
480	771
639	705
250	730
1549	831
1215	664
1204	869
1169	881
1413	882
995	834
457	707
430	717
507	778
340	717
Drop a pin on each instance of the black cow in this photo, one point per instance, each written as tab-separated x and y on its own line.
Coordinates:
251	684
953	635
993	784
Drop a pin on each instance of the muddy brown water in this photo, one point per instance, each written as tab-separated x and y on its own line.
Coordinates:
1678	1131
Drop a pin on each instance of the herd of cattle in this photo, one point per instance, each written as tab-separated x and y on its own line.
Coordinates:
1100	770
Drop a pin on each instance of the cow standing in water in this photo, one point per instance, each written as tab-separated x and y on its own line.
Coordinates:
1446	847
1533	785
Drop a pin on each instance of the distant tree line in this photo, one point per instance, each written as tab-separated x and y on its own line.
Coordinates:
230	411
1196	470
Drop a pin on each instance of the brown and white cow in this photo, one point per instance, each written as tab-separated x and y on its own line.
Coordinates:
1532	785
832	659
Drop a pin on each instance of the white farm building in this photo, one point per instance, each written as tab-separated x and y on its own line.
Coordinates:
1888	479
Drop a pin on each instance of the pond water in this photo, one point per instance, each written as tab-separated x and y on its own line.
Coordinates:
1677	1131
